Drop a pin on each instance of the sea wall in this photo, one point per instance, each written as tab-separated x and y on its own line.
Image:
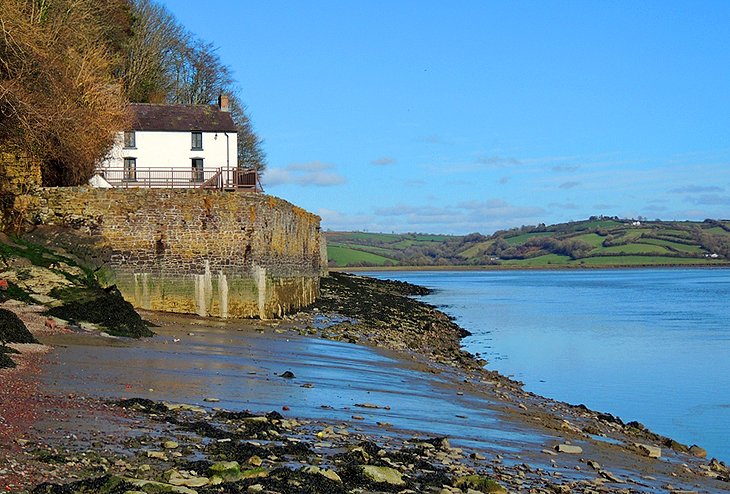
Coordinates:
223	254
20	177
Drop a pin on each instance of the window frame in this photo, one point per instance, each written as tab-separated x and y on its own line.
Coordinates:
130	139
130	172
198	172
196	146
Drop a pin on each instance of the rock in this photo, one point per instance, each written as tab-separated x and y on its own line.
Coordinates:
157	454
255	488
158	487
255	461
569	449
254	473
384	475
366	405
718	466
330	474
211	400
479	484
697	451
183	406
170	445
609	476
176	478
648	450
287	375
229	471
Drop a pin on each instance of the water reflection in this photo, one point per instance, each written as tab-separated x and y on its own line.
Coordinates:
242	369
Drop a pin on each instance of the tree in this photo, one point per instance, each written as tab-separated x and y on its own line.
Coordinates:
167	64
156	37
59	101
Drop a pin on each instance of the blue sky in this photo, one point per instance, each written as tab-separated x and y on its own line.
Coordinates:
456	117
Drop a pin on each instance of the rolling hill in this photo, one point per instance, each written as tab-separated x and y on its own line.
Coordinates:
596	242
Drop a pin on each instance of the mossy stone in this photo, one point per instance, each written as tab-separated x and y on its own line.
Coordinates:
382	475
229	471
479	483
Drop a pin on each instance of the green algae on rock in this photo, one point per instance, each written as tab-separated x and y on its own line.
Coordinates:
102	306
12	330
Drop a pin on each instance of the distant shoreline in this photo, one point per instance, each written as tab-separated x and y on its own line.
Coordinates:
360	269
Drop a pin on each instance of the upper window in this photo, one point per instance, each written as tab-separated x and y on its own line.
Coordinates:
130	140
197	140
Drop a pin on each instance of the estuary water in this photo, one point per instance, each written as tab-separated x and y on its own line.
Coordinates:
651	345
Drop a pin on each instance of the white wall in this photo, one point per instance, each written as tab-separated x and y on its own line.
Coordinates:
158	149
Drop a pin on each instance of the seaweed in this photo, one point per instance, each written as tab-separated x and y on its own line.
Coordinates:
12	329
103	306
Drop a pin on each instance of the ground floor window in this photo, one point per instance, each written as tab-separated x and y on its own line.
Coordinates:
130	169
197	169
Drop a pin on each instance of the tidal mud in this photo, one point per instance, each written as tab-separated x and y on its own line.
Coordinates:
207	406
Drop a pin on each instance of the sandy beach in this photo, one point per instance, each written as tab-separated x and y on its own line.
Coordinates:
60	421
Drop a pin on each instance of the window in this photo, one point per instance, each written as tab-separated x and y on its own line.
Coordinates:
130	140
197	141
198	170
130	169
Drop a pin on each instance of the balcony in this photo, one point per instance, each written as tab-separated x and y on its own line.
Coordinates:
234	179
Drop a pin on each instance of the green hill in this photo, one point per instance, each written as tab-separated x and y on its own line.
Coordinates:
598	241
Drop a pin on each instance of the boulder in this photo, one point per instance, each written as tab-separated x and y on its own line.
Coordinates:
229	471
479	484
385	475
174	477
255	473
648	450
330	474
12	329
697	451
569	449
158	487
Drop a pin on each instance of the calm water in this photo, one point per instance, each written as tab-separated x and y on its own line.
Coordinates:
651	345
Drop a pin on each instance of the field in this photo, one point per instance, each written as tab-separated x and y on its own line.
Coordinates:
595	242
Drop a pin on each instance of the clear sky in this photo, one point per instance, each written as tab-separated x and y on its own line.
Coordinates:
464	116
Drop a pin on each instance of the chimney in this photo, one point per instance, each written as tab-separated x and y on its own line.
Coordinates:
223	103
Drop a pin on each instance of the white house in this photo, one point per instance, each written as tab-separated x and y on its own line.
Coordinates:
174	146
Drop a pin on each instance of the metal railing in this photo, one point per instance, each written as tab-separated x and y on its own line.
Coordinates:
182	178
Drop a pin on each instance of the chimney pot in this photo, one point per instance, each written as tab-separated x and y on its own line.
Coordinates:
223	103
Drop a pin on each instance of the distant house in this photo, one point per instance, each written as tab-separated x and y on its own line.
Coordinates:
175	146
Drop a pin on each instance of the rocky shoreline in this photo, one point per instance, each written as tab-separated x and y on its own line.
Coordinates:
141	445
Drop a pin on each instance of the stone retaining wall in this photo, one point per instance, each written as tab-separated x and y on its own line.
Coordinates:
212	253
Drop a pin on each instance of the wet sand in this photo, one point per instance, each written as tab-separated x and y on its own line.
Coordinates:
242	368
241	365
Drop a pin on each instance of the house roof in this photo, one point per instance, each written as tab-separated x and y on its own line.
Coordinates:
183	118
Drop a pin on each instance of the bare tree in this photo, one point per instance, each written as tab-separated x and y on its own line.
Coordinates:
149	52
166	63
251	152
58	100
